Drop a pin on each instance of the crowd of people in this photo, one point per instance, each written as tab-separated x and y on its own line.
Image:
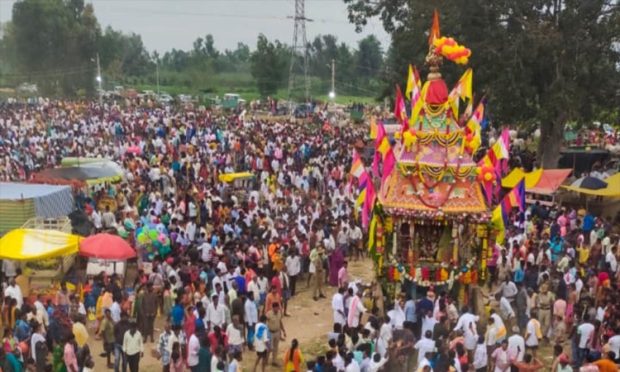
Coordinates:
237	256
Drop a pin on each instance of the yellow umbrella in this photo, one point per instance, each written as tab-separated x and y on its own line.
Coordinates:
31	244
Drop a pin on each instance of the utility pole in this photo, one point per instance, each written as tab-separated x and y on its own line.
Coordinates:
299	32
157	73
332	93
99	80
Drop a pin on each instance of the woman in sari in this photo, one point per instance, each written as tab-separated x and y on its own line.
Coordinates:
293	359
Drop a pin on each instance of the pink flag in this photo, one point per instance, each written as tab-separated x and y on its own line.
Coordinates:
388	165
368	204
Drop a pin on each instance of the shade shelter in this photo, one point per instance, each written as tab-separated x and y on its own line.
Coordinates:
612	190
31	244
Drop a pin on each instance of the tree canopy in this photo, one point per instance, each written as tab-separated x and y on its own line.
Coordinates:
539	62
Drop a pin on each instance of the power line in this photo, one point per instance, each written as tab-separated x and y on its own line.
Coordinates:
222	15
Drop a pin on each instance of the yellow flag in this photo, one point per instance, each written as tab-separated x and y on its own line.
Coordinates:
462	90
410	83
498	222
372	231
373	127
415	110
360	198
384	146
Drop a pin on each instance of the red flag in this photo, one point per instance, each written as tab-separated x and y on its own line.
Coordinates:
400	110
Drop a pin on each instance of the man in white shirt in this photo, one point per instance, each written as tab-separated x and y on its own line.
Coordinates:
13	291
351	364
115	311
250	315
508	289
585	332
481	356
293	268
253	288
423	346
378	362
467	324
506	311
516	347
614	343
338	307
216	313
611	260
193	348
356	309
260	342
133	346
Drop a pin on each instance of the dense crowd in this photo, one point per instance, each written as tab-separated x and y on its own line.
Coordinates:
235	255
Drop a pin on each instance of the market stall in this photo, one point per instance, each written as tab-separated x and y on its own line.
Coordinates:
80	172
107	253
31	244
540	184
20	202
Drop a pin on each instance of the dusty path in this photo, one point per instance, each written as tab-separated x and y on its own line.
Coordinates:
310	322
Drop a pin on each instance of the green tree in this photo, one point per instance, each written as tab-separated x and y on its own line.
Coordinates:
55	43
543	62
368	58
124	54
268	65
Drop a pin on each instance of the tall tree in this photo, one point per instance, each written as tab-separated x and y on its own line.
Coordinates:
543	62
55	43
268	65
125	53
368	58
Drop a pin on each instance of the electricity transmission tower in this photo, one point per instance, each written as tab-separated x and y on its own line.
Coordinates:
299	32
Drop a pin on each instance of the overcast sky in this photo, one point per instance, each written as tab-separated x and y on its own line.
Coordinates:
167	24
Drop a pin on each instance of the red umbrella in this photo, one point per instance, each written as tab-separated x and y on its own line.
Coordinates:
106	247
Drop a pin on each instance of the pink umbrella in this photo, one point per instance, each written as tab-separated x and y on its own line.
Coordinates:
136	150
106	247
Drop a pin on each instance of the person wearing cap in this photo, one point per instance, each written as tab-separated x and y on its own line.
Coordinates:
276	328
544	302
564	364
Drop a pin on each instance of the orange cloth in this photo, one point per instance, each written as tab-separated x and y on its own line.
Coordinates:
295	364
606	365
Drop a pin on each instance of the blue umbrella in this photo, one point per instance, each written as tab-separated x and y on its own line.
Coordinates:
591	183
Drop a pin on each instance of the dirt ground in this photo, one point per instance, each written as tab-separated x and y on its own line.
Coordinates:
309	323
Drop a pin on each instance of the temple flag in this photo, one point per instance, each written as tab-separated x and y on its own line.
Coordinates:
373	127
389	162
462	91
497	221
357	166
434	31
400	110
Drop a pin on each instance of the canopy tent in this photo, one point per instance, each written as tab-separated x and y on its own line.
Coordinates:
550	181
31	244
91	174
539	181
106	247
612	190
20	202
